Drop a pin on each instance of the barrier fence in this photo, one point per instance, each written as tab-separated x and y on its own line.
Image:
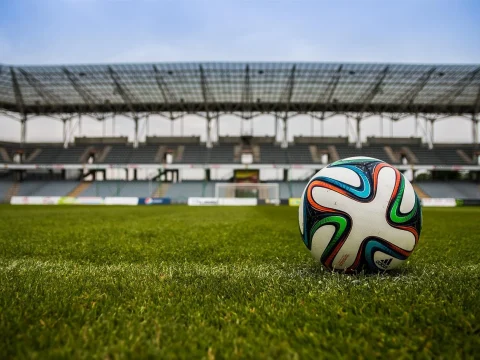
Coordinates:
200	201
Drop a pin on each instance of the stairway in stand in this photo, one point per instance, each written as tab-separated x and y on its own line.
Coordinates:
161	190
79	189
13	191
421	194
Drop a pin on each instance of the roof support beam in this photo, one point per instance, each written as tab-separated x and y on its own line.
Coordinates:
247	98
207	96
287	99
18	93
288	91
87	97
474	129
476	106
122	90
327	96
23	129
368	97
44	93
411	94
20	106
449	97
167	95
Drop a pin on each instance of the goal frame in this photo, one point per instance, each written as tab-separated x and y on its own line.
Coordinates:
274	187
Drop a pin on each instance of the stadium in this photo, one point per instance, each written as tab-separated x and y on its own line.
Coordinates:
102	166
178	281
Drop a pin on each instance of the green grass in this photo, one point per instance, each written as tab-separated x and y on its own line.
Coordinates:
163	282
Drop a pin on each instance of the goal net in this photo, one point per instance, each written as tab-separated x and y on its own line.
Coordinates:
247	190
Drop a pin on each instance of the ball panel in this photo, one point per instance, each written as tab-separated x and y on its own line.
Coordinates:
320	240
378	245
408	200
301	211
385	261
363	191
343	174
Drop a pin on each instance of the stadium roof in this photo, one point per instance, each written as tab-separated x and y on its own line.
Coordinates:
241	87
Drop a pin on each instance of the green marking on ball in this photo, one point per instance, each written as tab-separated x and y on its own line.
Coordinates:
395	215
341	226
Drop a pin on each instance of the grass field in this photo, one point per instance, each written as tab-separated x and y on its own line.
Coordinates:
108	282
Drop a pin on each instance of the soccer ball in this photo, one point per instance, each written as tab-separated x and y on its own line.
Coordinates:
360	213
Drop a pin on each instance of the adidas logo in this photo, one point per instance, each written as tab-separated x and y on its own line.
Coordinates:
384	263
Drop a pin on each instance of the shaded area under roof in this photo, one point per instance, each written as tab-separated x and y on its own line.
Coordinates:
241	87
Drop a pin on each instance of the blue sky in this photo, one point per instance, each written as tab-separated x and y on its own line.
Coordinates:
86	31
102	31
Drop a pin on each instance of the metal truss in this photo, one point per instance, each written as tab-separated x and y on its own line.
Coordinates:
247	90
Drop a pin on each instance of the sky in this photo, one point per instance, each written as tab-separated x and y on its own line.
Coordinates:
121	31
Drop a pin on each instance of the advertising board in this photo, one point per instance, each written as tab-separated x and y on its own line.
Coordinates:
154	201
441	202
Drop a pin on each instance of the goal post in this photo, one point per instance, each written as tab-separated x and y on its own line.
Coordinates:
264	191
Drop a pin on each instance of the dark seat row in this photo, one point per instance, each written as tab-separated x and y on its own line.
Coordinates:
229	153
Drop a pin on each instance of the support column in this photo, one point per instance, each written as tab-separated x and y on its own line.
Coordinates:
430	134
147	125
218	127
23	129
322	121
79	124
113	125
391	127
209	132
416	125
433	132
181	124
135	136
285	132
359	138
381	125
65	133
475	129
104	127
347	133
71	130
276	127
311	126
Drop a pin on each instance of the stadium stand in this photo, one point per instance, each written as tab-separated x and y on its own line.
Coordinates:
5	186
272	154
307	151
120	188
72	155
46	187
375	151
118	154
189	153
146	154
297	188
221	154
454	189
186	189
300	154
